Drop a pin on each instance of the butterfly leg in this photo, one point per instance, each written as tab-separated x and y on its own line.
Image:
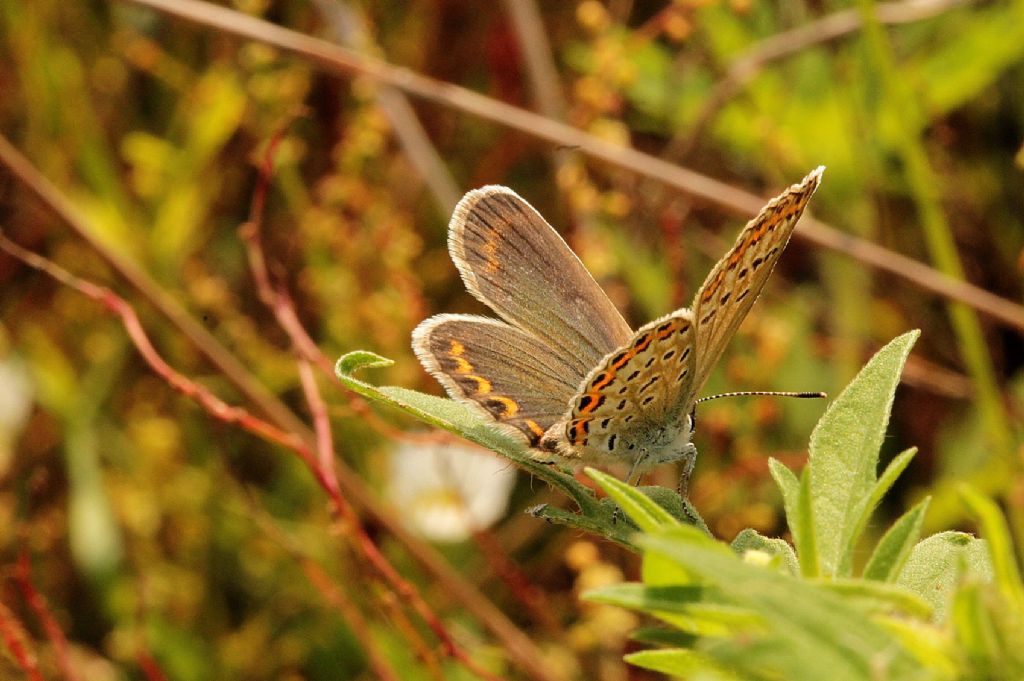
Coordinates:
688	456
637	470
632	479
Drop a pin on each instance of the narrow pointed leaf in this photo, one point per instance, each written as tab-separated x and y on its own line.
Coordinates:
688	608
789	486
894	547
810	561
844	451
867	507
878	597
1000	546
681	663
641	509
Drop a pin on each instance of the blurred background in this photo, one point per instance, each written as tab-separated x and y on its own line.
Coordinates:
143	537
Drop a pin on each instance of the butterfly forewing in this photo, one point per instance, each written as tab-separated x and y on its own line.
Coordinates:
736	281
508	373
512	260
636	393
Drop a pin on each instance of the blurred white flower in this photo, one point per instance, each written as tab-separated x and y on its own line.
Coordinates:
446	491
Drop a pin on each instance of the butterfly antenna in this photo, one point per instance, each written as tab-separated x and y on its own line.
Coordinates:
772	393
748	393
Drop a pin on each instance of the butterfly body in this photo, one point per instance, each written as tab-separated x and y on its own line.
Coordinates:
561	368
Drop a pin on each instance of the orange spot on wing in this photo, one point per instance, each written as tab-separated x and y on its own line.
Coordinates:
577	430
595	401
462	365
712	287
622	360
483	386
603	379
509	406
534	427
771	222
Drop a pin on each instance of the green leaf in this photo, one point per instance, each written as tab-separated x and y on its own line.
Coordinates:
679	508
937	564
600	519
1000	546
662	636
682	663
989	631
879	597
800	526
810	560
688	608
657	571
930	646
352	362
641	509
649	599
895	546
789	487
844	451
879	489
751	540
808	632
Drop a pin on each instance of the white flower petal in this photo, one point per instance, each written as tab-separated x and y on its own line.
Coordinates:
445	491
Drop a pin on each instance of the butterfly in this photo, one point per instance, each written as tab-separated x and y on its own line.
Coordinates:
560	367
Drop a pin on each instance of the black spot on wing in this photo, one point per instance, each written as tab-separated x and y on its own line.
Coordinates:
648	384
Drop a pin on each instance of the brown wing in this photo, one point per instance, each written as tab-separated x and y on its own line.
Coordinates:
515	262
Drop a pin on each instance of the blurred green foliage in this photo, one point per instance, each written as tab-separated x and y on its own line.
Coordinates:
155	529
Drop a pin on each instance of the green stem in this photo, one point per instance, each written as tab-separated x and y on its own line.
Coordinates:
924	187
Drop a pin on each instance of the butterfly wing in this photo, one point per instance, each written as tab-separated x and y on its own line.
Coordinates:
734	284
515	262
508	373
636	398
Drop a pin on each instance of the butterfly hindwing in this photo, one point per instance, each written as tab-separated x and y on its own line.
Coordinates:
504	371
515	262
736	281
638	396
